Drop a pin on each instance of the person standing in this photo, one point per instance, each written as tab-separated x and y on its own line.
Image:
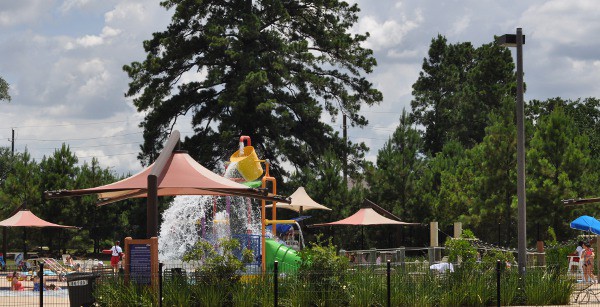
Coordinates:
579	250
588	264
116	253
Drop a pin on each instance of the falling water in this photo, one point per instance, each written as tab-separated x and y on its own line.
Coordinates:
191	217
241	153
179	229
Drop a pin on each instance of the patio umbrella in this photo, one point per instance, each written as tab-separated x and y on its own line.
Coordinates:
25	218
300	201
586	223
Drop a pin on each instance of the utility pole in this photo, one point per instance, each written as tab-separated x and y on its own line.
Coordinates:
345	133
4	231
517	40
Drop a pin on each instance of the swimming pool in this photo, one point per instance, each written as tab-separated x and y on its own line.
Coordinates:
29	293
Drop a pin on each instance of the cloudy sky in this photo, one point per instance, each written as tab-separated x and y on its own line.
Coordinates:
63	60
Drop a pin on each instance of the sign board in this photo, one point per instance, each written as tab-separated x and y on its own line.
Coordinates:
77	283
141	261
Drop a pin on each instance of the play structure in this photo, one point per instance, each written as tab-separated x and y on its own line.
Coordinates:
193	218
248	165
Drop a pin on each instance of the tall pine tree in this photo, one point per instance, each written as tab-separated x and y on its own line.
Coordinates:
263	68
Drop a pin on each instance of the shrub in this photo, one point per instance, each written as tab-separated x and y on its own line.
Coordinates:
323	271
220	267
460	249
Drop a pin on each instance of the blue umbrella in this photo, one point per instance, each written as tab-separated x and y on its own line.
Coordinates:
586	223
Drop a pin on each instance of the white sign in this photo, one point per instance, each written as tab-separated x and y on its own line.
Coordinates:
77	283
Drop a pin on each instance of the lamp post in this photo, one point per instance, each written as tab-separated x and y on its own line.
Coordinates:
512	40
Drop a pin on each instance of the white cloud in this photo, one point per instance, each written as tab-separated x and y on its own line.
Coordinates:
90	41
69	5
388	33
461	25
20	12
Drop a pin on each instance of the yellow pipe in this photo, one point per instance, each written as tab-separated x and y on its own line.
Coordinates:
269	222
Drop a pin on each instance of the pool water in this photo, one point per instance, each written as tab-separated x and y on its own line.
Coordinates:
29	293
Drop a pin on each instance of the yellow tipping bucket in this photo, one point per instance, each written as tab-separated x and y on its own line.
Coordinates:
248	163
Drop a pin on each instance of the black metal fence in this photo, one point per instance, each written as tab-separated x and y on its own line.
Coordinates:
387	284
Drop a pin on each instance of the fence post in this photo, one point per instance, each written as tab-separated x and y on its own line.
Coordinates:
41	275
160	284
389	284
372	256
498	268
275	283
400	257
431	253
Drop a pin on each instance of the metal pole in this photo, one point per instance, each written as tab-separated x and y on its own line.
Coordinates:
389	284
160	284
522	244
498	268
275	284
41	275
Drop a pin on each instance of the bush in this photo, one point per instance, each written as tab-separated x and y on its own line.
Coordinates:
221	268
461	250
324	272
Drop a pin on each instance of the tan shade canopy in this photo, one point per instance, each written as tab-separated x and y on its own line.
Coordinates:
25	218
300	201
182	175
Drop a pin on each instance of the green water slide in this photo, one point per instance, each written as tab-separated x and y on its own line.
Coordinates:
288	259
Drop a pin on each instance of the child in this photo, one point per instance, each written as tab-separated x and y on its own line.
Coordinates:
15	283
36	283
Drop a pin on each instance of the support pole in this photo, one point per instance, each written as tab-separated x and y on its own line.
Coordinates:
457	230
157	171
433	234
267	177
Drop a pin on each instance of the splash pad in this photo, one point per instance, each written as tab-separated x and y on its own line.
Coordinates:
193	218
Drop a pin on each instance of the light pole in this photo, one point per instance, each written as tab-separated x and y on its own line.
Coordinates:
512	40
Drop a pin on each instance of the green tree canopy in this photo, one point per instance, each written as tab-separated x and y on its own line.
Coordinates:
4	86
458	87
400	163
558	167
264	68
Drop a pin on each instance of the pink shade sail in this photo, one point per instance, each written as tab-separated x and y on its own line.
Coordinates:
367	216
182	175
26	218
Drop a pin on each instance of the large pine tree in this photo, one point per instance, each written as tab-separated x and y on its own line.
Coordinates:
457	89
263	68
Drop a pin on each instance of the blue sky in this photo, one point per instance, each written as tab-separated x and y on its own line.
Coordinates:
64	62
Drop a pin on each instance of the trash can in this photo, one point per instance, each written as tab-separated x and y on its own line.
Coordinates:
81	288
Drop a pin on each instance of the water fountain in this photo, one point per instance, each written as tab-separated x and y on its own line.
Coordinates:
191	218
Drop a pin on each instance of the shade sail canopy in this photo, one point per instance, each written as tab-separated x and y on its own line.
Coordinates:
182	175
365	216
586	223
300	201
26	218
